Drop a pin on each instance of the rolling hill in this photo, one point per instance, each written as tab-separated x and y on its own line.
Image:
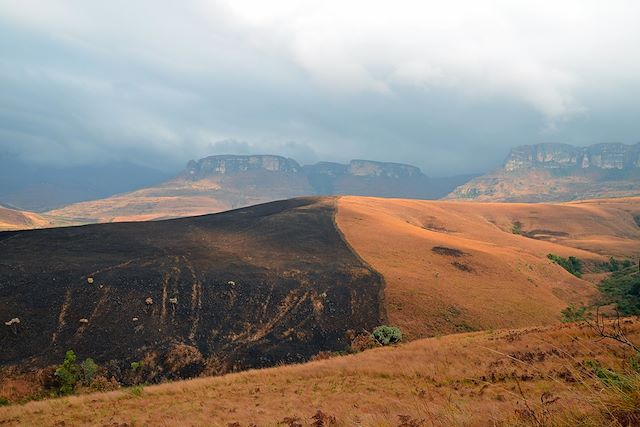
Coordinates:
14	219
220	183
458	266
559	172
282	281
248	288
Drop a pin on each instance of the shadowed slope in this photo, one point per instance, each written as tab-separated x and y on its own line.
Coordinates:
246	288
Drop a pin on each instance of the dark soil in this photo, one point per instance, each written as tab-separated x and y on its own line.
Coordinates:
268	284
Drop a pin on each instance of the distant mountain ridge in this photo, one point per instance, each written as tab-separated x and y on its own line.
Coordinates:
223	182
559	172
229	164
559	156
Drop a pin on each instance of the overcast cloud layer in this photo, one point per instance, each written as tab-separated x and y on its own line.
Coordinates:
447	86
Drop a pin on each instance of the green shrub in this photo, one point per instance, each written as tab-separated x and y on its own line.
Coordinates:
572	264
67	374
88	371
573	314
386	335
4	401
623	289
136	365
516	227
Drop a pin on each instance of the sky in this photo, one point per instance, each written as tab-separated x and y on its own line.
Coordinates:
446	86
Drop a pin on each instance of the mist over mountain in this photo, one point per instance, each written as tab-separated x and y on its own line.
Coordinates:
41	187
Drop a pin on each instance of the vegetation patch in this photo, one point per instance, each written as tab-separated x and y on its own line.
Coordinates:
544	234
622	288
462	267
572	264
574	314
516	227
443	250
614	265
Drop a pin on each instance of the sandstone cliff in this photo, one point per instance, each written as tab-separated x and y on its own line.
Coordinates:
559	172
219	183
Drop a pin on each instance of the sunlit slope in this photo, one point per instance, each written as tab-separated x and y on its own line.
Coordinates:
13	219
456	266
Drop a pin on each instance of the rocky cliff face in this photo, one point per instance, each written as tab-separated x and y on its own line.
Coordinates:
559	156
559	172
230	164
219	183
389	170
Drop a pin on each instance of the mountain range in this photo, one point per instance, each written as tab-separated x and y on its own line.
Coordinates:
219	183
530	173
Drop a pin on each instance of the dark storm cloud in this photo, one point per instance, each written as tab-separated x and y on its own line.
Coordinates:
448	88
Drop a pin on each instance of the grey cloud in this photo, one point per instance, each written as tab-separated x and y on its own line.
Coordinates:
448	88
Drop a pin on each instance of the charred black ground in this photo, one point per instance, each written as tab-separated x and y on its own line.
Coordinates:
247	288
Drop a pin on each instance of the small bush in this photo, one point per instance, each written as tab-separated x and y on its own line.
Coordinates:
67	374
572	264
516	227
386	335
4	401
88	371
573	314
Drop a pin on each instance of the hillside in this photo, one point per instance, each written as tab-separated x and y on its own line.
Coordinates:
458	266
505	378
282	281
220	183
559	172
269	284
14	219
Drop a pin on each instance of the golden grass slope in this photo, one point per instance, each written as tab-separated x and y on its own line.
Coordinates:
472	379
13	219
499	279
143	205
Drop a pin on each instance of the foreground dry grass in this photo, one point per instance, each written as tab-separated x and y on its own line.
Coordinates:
497	279
467	380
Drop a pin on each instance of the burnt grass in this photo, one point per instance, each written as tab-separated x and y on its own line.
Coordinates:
255	287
